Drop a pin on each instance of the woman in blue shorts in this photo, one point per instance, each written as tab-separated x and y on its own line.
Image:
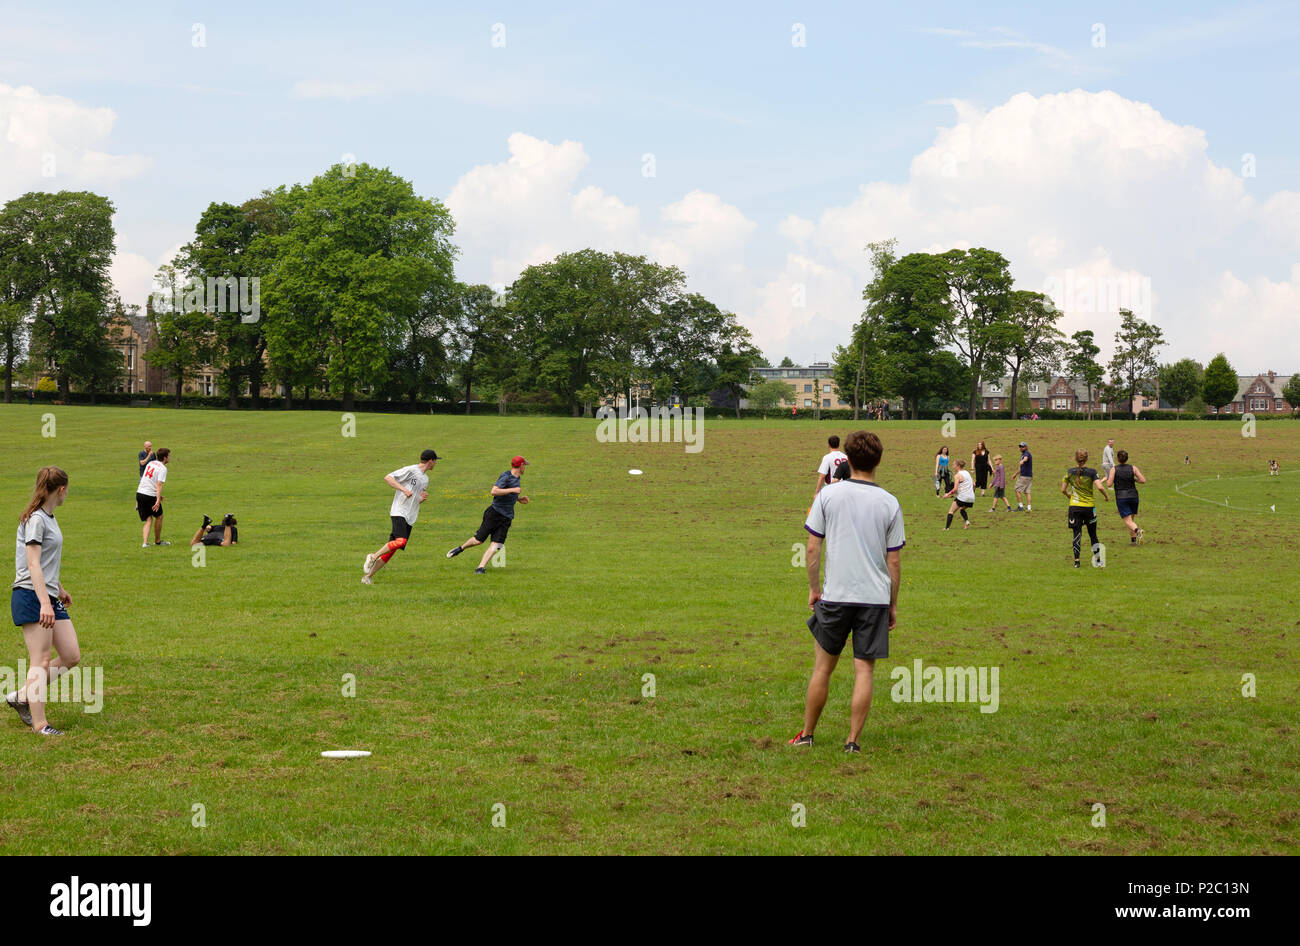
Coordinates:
1124	477
39	600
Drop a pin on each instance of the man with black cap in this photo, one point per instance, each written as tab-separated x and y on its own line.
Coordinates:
498	517
412	488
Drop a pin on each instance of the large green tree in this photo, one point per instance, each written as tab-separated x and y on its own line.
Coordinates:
1219	385
1180	382
1081	360
736	358
1291	393
360	257
979	283
1134	369
183	330
913	303
594	318
59	247
1028	342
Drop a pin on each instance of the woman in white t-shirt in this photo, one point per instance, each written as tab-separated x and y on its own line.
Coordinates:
38	601
963	488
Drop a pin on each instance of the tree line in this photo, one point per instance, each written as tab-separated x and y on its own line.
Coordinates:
357	297
936	325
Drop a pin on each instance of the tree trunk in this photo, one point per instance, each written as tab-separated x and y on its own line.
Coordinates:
65	389
9	382
1015	393
467	387
349	400
180	384
974	395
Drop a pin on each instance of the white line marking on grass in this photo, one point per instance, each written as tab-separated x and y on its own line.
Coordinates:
1181	491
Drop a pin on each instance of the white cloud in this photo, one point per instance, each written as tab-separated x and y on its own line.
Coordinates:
1085	187
1097	199
49	142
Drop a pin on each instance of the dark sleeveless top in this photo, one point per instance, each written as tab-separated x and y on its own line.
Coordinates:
1125	486
982	461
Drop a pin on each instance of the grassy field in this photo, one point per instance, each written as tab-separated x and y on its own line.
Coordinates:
524	687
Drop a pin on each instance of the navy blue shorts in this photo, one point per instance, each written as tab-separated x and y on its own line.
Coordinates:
26	607
1127	507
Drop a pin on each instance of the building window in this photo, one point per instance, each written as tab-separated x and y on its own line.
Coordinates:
807	402
1033	389
826	402
807	389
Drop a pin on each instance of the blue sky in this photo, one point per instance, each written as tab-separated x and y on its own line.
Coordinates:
773	162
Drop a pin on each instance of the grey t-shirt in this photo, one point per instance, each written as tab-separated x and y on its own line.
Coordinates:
39	529
860	522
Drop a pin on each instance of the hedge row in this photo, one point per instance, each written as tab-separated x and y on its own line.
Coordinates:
198	402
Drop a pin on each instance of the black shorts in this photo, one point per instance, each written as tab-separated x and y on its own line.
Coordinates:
962	505
401	529
999	492
144	506
1081	516
216	534
495	525
831	624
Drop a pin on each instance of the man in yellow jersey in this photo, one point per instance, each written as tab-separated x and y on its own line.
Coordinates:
1079	483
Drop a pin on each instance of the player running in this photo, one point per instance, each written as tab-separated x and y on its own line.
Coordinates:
964	489
498	517
148	496
1125	479
39	599
412	488
1078	483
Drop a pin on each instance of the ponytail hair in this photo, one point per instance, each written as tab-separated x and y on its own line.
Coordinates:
48	481
1081	457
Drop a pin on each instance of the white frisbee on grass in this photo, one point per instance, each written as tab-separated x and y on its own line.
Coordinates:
345	754
635	472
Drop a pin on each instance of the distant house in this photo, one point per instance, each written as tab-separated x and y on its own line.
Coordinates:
1057	394
1261	394
133	337
812	383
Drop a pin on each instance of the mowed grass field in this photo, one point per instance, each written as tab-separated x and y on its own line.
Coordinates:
523	687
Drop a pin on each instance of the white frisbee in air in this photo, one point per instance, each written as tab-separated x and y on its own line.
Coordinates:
635	472
345	754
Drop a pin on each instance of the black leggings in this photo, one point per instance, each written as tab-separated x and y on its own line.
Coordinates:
1078	536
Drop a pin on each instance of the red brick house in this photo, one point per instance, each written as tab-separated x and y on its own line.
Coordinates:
1261	394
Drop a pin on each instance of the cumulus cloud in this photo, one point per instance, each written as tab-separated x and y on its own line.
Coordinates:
49	142
1098	200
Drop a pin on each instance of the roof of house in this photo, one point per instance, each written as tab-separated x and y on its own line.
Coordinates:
1271	388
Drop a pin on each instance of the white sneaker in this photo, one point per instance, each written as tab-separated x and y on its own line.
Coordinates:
365	580
370	561
145	546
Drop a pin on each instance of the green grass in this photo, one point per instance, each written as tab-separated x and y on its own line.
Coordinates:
524	687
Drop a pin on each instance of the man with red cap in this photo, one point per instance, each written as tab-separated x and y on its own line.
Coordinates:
498	516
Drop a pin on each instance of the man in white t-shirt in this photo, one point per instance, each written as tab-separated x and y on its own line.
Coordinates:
862	527
830	462
148	496
411	484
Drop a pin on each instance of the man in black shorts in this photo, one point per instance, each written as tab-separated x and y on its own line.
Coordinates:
862	527
498	516
224	535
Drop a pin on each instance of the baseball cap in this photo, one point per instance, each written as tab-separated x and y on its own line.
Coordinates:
1023	444
428	455
518	461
